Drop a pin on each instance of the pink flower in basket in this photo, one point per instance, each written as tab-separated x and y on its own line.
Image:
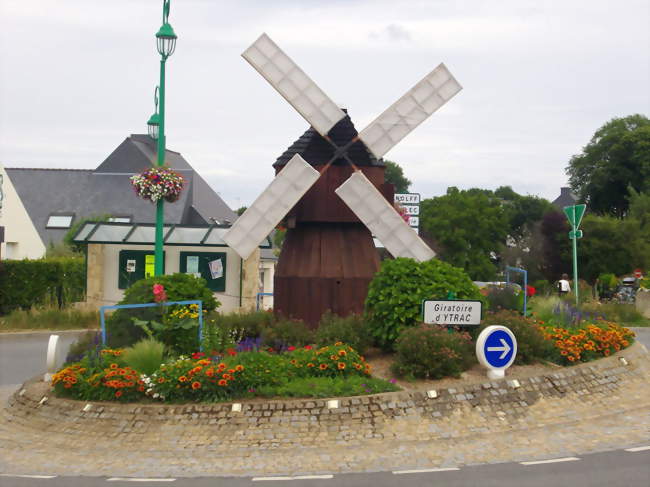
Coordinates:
157	183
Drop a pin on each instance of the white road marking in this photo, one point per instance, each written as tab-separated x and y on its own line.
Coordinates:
297	477
638	448
426	470
28	476
138	479
554	460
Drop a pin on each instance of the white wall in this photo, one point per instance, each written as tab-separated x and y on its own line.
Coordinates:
20	233
267	267
229	299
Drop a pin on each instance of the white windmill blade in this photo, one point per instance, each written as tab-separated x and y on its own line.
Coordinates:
381	218
397	121
271	206
293	84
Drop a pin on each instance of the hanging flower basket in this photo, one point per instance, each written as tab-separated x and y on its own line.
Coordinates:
158	182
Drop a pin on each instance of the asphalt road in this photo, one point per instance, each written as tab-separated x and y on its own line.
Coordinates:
611	469
23	355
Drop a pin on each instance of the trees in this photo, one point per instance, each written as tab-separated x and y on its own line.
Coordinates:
616	157
470	228
395	175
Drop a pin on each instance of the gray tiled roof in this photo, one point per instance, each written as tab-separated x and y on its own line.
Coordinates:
566	198
107	190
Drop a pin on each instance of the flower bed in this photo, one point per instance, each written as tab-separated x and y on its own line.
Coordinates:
306	371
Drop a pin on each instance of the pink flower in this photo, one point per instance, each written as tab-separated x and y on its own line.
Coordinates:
159	294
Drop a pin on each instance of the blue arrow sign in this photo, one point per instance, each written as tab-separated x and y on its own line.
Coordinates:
496	347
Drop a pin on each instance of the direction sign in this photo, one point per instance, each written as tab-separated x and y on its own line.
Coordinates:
574	214
411	209
408	198
414	221
496	348
451	312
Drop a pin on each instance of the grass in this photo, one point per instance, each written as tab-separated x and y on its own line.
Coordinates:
145	356
49	319
327	387
550	309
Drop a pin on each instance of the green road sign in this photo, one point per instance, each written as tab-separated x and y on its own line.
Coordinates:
576	234
574	214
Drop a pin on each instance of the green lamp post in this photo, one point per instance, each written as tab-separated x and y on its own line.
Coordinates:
166	44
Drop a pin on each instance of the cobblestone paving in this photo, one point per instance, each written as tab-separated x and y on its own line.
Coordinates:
583	409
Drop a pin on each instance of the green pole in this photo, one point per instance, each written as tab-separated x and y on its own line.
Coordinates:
575	260
158	262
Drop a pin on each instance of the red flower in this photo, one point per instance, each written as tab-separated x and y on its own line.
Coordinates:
197	355
231	351
291	349
530	291
159	294
308	347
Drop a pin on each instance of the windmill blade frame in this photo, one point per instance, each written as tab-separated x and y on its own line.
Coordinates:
407	113
271	206
293	84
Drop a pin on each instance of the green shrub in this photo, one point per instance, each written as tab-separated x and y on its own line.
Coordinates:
219	335
121	330
504	298
350	329
543	287
431	352
396	293
531	345
249	323
327	387
617	312
51	318
284	333
57	281
146	356
260	368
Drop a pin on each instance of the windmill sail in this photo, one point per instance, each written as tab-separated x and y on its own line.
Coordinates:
271	206
398	120
293	84
381	218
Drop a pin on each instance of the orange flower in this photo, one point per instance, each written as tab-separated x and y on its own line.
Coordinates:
239	368
341	365
322	366
310	364
182	378
113	365
118	393
223	382
333	357
141	388
342	353
337	344
196	385
161	380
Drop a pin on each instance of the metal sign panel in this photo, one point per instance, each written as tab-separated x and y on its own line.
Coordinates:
452	312
496	347
407	198
575	214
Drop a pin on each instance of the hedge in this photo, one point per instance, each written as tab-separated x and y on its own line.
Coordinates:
27	283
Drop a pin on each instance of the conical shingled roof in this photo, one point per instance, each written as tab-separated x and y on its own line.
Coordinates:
314	149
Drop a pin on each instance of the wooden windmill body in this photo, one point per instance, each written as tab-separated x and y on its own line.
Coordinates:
330	187
328	257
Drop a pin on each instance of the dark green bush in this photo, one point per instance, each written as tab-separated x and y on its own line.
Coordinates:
431	352
27	283
543	287
396	293
504	298
350	329
531	345
250	324
122	332
284	333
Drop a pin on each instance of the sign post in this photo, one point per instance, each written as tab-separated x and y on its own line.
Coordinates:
496	349
574	214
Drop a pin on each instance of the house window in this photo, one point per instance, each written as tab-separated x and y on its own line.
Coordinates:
211	266
59	221
120	219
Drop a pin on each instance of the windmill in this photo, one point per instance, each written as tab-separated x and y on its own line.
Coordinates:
328	257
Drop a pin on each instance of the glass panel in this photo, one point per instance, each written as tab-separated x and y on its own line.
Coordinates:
59	221
85	230
110	233
186	235
216	237
120	219
144	235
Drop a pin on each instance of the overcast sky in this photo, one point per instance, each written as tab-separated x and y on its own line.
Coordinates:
539	77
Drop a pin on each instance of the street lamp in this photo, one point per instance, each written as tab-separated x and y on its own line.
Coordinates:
166	44
153	123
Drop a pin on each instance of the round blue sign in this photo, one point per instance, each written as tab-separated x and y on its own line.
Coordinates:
496	347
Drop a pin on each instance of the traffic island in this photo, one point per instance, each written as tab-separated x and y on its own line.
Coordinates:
588	407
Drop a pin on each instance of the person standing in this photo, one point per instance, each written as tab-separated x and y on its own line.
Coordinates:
563	286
